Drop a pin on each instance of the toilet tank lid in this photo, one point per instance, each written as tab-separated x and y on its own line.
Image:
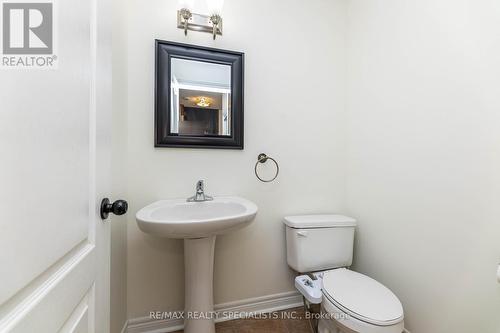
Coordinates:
319	221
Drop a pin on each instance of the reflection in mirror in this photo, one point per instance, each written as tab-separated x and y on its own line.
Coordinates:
201	98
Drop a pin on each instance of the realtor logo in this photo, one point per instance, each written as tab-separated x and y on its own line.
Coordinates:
28	34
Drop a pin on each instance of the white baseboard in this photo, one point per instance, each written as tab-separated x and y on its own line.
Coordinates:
262	304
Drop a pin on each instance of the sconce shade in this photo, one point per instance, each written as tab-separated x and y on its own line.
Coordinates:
186	4
215	6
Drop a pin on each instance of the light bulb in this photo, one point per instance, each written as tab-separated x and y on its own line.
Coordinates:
215	6
186	4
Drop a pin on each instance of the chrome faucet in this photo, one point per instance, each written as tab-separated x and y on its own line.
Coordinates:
200	193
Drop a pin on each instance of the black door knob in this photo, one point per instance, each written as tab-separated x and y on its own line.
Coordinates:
119	207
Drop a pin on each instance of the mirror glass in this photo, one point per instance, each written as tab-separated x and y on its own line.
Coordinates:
200	103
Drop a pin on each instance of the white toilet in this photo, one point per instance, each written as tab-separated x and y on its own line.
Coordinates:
322	246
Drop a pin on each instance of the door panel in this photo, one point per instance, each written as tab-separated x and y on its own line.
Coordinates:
54	134
45	135
79	321
52	304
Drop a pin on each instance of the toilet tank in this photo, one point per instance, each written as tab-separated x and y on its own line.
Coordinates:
319	242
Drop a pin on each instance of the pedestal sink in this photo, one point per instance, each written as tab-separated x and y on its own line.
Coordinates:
198	223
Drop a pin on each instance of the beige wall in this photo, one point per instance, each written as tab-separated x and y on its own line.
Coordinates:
424	156
294	109
419	146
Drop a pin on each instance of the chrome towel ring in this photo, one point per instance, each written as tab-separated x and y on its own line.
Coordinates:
263	158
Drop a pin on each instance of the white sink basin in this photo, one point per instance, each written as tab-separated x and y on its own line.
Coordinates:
180	219
198	223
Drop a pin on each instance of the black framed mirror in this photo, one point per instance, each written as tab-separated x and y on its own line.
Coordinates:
198	97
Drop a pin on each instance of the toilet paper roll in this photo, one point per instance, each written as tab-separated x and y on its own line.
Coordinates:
498	273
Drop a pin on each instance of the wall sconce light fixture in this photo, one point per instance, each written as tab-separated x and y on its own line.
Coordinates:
188	20
186	15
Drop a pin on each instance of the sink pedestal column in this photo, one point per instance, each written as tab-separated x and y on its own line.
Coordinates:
199	278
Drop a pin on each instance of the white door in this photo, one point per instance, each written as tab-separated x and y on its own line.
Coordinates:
54	170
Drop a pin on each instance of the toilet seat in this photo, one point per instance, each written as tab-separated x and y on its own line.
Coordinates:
362	297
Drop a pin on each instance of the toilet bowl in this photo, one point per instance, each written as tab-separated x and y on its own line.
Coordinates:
358	303
322	246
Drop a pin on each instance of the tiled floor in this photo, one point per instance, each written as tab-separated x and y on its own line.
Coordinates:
282	325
